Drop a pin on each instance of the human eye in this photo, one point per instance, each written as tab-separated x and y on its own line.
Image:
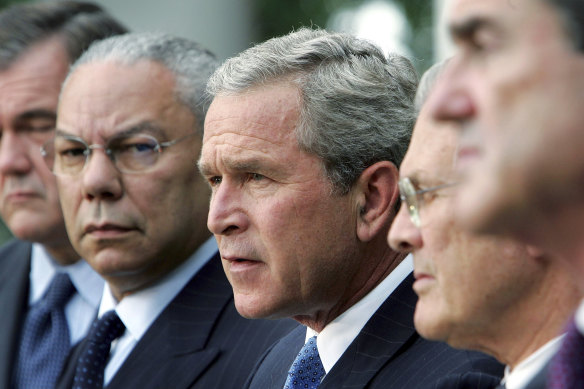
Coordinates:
134	145
256	177
214	181
70	153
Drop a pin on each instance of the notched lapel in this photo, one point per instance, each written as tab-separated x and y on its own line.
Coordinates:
173	351
386	335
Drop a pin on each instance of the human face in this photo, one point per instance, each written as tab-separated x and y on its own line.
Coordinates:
515	89
465	282
288	245
132	228
29	90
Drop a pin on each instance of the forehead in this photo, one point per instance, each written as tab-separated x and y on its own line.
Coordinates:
431	151
108	97
268	116
466	16
34	80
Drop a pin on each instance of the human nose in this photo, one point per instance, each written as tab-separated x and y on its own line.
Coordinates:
226	213
404	235
100	177
14	154
450	98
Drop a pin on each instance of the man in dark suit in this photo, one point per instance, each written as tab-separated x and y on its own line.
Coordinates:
129	128
530	295
38	42
301	147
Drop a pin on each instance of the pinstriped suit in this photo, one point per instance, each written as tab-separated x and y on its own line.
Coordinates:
15	257
198	341
388	353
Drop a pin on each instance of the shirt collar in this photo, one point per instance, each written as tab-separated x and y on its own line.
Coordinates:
87	282
526	370
140	309
336	337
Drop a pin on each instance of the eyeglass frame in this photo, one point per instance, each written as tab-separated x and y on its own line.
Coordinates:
414	208
108	151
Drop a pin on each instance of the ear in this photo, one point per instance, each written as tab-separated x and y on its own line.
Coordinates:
376	194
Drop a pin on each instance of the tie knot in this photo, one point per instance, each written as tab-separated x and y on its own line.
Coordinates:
107	328
59	291
307	370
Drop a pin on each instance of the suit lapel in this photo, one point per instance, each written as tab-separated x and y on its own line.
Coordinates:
172	353
389	331
14	285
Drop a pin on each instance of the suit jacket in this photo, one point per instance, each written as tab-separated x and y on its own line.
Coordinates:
387	353
14	285
198	341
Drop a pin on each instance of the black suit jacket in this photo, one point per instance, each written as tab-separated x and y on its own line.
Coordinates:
14	284
387	353
198	341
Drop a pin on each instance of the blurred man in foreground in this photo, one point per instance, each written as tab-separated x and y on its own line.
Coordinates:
48	296
475	292
129	129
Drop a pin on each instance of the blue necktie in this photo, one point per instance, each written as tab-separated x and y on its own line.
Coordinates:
567	367
45	342
91	364
306	372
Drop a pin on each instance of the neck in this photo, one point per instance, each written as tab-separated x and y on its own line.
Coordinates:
533	322
365	283
63	254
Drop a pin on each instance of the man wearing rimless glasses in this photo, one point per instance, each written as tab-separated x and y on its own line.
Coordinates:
128	132
475	292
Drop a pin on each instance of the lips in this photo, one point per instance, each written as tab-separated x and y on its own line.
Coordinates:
106	229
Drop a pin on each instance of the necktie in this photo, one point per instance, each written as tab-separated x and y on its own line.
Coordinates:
567	366
45	342
306	371
92	362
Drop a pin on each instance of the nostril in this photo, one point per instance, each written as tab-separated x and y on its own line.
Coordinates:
229	229
404	246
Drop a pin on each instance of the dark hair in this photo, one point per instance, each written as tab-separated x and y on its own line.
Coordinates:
79	23
572	12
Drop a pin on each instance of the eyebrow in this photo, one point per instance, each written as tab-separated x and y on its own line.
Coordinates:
37	114
140	128
246	165
467	29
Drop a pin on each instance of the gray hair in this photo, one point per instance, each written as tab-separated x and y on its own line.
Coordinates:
427	82
190	64
356	104
79	23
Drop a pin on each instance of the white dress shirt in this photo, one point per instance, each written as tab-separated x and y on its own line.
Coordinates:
579	317
139	310
336	337
81	309
525	371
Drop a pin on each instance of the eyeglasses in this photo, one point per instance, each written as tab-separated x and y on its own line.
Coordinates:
67	155
411	197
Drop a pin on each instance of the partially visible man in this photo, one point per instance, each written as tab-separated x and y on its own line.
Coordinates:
515	89
129	129
475	292
47	295
301	147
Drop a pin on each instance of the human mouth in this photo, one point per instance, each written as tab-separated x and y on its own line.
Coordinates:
106	230
21	196
423	281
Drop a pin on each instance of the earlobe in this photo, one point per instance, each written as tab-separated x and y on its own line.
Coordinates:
378	193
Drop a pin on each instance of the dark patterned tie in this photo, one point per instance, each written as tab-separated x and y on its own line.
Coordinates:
45	342
92	362
567	366
306	372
